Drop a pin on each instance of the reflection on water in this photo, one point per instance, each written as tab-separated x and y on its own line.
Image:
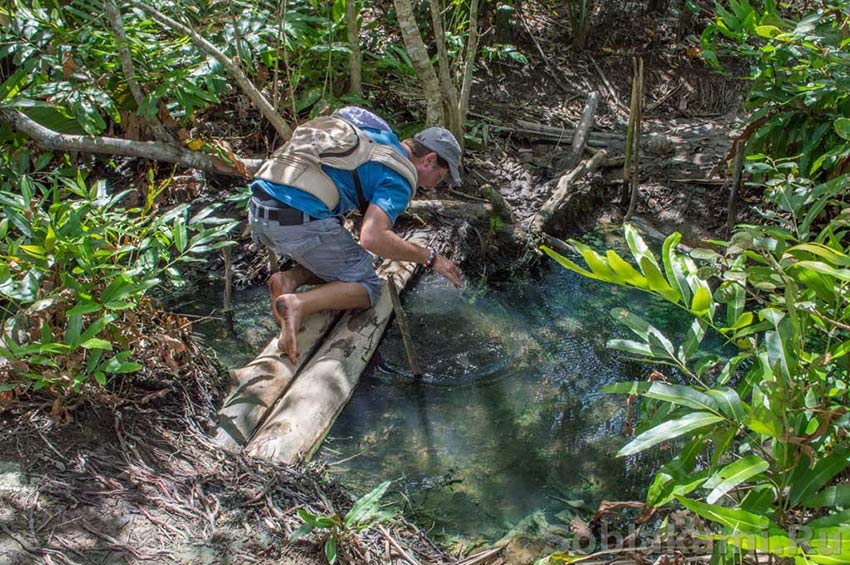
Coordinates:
507	419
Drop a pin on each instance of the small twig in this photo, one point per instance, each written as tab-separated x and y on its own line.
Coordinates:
480	557
732	211
396	545
403	327
617	106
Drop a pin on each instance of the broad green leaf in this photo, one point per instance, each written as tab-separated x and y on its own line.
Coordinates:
737	520
822	268
625	272
702	303
728	402
669	430
833	496
842	128
805	482
673	267
73	328
767	31
733	475
656	280
366	506
568	264
96	343
764	422
302	531
682	395
828	254
638	246
634	322
316	520
630	346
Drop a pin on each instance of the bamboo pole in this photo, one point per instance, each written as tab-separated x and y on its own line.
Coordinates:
406	338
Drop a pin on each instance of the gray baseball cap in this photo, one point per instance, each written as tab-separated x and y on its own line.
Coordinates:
443	143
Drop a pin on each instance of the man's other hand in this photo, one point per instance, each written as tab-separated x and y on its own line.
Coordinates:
448	269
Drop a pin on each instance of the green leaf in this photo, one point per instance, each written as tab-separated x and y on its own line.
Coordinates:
669	430
302	531
656	280
838	495
737	520
330	549
316	520
367	506
673	267
805	482
842	128
625	272
733	475
96	343
767	31
568	264
682	395
702	303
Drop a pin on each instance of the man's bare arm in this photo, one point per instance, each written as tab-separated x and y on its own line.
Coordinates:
377	236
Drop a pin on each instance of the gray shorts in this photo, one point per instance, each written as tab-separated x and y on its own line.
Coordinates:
323	247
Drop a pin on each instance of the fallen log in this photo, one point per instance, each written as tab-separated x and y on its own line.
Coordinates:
263	381
540	222
308	409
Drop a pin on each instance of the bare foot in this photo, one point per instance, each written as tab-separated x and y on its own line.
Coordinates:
287	308
279	283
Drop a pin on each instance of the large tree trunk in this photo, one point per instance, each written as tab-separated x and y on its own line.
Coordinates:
421	62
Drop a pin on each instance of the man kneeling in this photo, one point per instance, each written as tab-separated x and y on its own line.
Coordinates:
330	166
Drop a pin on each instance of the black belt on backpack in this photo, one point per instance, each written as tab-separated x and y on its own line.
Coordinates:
273	210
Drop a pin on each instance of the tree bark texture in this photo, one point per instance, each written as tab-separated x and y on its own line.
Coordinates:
354	62
153	150
421	62
580	137
447	87
541	220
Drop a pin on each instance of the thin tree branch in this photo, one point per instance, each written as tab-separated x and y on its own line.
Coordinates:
447	87
154	150
469	64
245	84
114	15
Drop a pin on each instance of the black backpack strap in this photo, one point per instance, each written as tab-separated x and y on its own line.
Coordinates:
361	199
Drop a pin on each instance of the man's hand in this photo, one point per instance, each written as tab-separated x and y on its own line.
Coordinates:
448	269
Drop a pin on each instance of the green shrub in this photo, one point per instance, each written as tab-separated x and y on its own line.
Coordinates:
75	267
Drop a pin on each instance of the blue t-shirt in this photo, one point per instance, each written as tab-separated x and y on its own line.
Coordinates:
381	186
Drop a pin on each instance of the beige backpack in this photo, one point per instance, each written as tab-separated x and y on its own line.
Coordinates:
333	141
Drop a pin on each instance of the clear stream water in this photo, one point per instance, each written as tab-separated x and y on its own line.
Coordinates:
508	419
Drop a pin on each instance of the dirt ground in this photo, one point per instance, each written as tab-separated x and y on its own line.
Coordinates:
130	477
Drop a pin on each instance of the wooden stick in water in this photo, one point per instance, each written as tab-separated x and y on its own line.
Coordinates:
406	338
